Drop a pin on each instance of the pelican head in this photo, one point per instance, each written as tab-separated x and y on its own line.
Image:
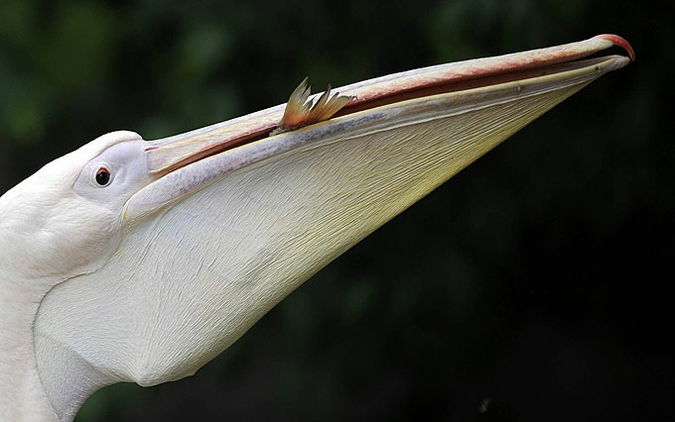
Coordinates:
134	260
55	209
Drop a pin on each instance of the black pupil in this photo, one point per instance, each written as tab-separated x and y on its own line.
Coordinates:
102	176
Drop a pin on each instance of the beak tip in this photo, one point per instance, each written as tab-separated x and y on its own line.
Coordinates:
621	42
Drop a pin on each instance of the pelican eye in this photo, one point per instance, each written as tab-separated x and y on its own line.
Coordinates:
103	176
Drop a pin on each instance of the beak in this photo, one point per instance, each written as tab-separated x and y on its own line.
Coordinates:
187	162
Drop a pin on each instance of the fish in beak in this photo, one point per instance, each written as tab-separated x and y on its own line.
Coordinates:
400	98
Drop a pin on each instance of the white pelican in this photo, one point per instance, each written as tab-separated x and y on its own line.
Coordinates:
133	260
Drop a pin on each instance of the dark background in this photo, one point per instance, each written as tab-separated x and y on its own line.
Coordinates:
533	286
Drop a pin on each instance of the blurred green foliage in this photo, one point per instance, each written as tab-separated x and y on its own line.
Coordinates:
505	285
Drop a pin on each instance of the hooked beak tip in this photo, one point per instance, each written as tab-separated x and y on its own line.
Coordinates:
619	41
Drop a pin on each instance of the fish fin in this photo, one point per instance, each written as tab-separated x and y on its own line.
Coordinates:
301	111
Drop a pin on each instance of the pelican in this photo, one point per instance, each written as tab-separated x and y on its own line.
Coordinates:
140	261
